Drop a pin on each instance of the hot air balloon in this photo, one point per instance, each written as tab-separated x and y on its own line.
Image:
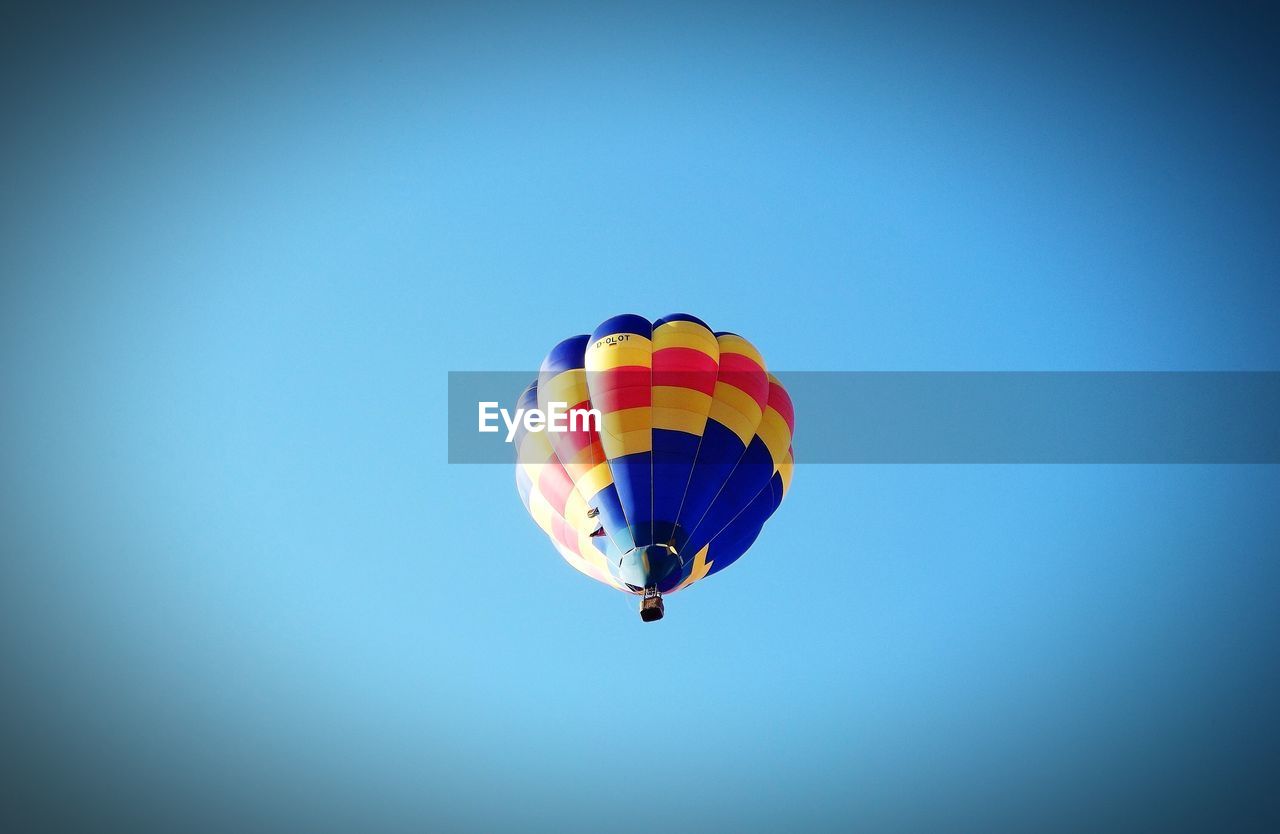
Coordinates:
691	453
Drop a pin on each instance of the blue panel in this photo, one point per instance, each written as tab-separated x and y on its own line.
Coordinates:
673	456
612	517
680	317
749	477
528	400
717	456
626	323
737	538
565	356
633	478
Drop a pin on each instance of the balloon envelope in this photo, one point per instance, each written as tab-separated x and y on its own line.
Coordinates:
689	455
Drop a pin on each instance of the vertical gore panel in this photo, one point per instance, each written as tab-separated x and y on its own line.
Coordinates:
563	379
739	396
686	359
619	363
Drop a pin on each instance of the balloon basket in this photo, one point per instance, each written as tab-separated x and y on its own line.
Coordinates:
651	607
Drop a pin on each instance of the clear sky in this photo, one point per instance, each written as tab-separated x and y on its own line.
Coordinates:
241	251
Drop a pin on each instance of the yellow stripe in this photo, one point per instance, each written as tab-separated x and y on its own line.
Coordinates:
534	471
569	387
730	343
588	453
701	567
535	448
619	349
626	420
775	434
626	432
680	409
738	411
685	399
739	400
528	457
734	421
588	560
674	419
628	443
541	510
592	556
593	480
686	334
597	561
608	358
615	341
576	562
786	468
575	512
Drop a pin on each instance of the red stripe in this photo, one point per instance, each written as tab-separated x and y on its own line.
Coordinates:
555	485
693	380
623	387
566	534
683	359
568	444
619	398
624	376
685	368
780	401
745	374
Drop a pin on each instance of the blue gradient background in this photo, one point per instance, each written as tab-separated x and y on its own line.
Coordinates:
242	590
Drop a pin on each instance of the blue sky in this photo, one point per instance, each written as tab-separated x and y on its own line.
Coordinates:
243	250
